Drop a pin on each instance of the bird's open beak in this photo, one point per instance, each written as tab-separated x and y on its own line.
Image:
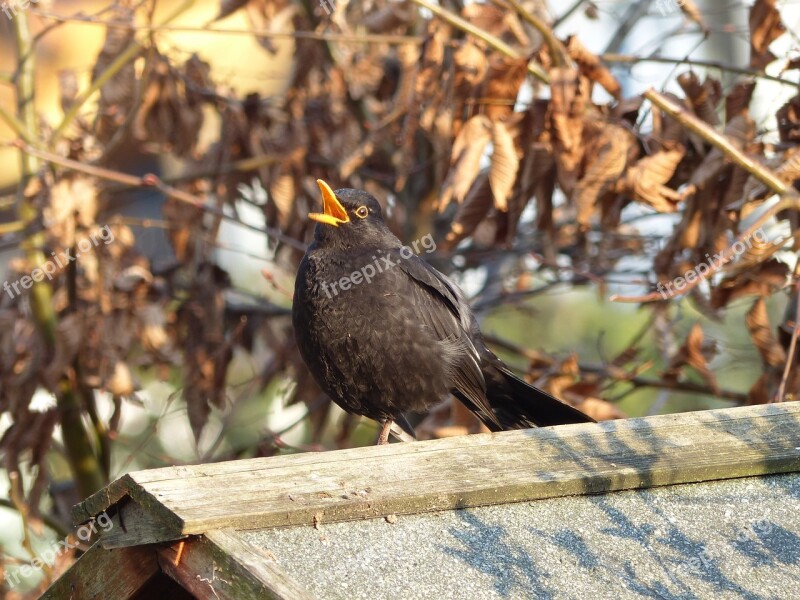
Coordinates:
334	213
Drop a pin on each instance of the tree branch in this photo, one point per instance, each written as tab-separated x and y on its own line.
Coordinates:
719	141
152	181
81	455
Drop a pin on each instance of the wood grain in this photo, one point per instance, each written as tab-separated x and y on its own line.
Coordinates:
133	525
465	471
100	574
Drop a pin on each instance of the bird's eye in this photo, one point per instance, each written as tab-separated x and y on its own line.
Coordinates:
362	212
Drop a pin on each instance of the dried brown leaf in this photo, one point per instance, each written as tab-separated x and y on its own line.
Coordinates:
282	194
600	410
72	206
607	163
789	121
765	28
591	67
762	390
471	66
497	21
738	99
694	353
704	97
468	148
761	280
121	382
569	99
757	321
667	132
504	166
472	211
645	181
503	81
206	351
690	9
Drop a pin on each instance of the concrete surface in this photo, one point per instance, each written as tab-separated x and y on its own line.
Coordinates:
729	539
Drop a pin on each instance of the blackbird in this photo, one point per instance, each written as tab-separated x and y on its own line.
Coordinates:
384	333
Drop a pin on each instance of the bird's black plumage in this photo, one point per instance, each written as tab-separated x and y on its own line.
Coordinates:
384	333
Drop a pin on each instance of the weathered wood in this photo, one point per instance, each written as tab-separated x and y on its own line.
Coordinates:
466	471
221	565
133	525
101	574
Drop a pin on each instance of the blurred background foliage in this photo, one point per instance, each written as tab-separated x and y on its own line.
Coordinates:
517	132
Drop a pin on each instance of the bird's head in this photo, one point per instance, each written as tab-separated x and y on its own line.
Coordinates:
350	217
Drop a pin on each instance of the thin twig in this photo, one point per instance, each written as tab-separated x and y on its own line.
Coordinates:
709	64
154	182
568	13
792	345
16	125
365	38
633	16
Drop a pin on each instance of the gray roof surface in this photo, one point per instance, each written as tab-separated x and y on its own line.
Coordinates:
737	538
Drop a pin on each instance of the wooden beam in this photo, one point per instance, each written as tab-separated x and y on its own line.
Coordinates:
221	565
101	573
466	471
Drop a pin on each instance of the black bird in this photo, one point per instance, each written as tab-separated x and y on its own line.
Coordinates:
384	333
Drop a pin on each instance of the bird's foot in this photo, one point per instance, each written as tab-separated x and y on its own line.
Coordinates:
383	437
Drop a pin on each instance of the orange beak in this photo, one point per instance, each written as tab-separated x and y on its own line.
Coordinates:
333	211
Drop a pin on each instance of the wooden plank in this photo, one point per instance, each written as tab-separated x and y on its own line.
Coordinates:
471	470
101	574
222	565
133	525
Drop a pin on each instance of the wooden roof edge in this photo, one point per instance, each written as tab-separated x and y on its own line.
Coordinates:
140	481
572	459
219	564
102	500
117	494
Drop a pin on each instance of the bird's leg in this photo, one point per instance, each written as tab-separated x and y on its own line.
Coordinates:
383	438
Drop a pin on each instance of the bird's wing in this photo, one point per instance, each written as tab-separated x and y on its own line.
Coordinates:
442	308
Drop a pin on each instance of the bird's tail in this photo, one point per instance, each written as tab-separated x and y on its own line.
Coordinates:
517	404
